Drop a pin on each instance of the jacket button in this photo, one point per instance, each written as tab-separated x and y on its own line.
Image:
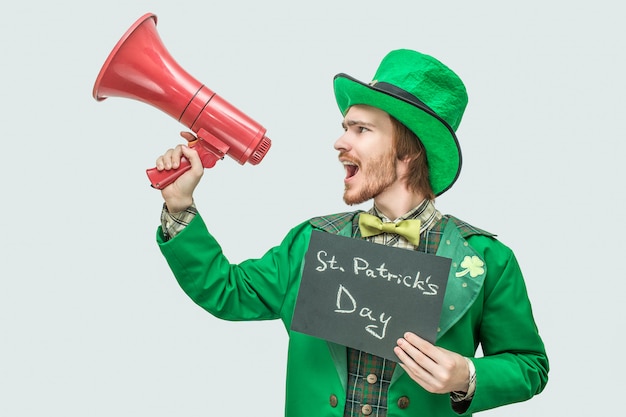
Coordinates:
333	401
403	402
366	409
371	378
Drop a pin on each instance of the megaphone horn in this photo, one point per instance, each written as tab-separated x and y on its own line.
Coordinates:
139	67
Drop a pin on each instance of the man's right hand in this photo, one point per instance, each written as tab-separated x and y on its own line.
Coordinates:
179	194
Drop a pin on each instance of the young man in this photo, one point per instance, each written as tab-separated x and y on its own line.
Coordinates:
399	149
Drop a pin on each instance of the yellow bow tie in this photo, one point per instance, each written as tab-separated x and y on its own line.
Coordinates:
372	225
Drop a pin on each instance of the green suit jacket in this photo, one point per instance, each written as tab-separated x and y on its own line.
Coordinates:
486	305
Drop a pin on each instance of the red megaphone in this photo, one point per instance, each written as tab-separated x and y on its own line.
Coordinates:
139	67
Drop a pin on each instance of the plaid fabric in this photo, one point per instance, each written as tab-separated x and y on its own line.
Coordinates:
174	223
369	377
334	223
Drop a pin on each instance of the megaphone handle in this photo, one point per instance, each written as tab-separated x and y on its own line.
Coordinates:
161	179
210	150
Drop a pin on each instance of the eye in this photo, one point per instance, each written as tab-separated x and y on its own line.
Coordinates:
363	129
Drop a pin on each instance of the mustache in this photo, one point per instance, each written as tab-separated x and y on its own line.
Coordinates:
346	157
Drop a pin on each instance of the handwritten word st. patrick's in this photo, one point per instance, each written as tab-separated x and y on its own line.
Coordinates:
361	266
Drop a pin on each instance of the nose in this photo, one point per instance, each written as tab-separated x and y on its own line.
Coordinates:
342	143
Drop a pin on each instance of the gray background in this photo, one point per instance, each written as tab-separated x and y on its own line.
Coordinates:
92	323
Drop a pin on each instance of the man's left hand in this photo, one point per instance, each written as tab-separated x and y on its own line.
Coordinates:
437	370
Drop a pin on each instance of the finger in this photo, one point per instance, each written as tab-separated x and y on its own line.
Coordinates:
404	357
421	355
165	161
193	157
160	165
416	354
415	371
423	345
415	339
175	155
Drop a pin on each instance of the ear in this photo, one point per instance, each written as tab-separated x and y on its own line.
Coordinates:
407	159
402	167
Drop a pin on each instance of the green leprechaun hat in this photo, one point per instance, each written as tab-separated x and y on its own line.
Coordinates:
423	94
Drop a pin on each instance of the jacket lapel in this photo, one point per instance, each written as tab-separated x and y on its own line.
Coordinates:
466	277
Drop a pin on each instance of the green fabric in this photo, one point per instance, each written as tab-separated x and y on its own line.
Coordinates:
434	84
491	308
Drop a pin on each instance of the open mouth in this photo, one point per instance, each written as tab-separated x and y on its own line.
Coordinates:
351	169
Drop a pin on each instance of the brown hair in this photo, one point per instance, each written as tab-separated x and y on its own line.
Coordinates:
408	145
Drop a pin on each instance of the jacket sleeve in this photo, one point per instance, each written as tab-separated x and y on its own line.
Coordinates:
515	365
255	289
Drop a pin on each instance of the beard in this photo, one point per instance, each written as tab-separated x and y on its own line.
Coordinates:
377	174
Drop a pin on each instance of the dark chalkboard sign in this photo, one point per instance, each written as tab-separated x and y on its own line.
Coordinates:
366	296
